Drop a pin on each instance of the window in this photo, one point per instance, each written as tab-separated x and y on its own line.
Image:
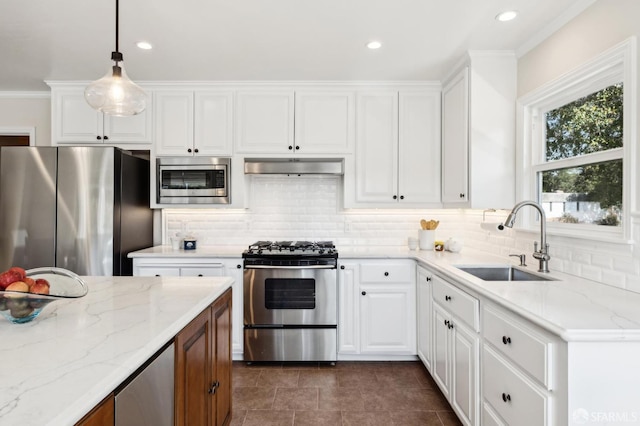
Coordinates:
587	133
578	146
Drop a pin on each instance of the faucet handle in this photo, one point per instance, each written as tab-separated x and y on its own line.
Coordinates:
522	257
535	246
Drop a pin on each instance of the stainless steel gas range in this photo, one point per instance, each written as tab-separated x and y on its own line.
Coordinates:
290	301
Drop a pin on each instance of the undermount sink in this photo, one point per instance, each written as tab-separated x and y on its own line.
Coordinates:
502	273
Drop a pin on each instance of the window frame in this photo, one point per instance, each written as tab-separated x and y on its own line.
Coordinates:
615	65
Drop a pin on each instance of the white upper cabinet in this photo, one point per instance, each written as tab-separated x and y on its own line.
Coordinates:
264	122
75	122
192	123
478	133
324	122
397	150
455	139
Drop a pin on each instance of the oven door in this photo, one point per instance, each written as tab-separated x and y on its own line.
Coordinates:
290	296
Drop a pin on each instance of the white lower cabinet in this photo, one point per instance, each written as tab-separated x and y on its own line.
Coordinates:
456	358
376	309
518	367
202	267
423	312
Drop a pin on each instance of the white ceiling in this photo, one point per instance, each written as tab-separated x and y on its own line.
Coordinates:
261	40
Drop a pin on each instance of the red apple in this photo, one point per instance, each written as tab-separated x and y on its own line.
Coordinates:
9	277
20	271
29	281
41	286
18	286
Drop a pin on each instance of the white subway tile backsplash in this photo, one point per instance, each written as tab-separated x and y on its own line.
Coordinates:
308	207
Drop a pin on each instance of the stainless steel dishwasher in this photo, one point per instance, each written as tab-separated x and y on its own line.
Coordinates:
147	399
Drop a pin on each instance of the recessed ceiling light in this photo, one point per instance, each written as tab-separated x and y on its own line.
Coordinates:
373	45
506	15
144	45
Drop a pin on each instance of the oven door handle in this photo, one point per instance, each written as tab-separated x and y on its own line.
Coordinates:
290	267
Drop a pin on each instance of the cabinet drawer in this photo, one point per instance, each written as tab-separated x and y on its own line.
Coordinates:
511	395
153	271
392	272
456	301
521	345
209	271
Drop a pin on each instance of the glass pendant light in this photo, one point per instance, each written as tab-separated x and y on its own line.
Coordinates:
115	94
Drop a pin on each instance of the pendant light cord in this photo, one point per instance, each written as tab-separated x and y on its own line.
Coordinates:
117	24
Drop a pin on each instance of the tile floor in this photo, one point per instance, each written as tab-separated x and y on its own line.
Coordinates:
349	393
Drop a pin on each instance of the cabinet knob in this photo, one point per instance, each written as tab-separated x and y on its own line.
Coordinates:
106	138
428	279
446	322
214	386
386	274
196	150
297	147
395	197
450	326
239	266
506	340
506	397
447	298
200	275
402	197
290	147
341	266
462	195
189	150
364	293
157	275
99	138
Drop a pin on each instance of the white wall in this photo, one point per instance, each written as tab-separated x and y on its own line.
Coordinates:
27	111
300	208
601	26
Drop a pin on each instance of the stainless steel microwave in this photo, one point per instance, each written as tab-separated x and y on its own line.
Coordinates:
193	180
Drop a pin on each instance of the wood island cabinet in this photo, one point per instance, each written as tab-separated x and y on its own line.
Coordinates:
203	367
103	414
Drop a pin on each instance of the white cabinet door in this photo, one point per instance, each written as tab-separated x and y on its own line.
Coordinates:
377	147
423	307
387	319
441	369
75	122
419	148
455	139
348	309
464	372
233	268
264	122
324	122
173	122
213	123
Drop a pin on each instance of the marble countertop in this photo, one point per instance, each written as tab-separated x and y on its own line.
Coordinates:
574	308
56	368
200	251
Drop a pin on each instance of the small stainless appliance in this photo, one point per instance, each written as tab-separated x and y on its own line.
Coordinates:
290	301
193	180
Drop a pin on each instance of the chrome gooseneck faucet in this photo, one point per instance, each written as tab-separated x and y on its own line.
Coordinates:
543	254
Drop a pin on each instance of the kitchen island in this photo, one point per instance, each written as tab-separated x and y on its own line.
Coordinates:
56	368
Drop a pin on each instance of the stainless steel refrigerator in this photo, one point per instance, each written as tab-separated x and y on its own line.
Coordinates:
79	208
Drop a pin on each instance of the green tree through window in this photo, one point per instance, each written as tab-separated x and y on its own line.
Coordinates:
588	125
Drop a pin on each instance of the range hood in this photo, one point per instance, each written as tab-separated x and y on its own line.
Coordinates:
294	166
